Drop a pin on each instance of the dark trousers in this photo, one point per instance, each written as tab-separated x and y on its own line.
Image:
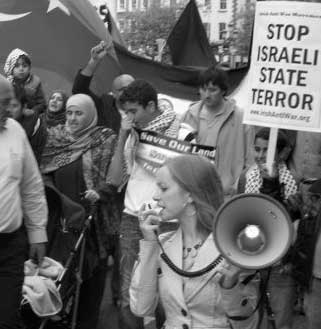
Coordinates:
13	253
130	235
113	251
91	294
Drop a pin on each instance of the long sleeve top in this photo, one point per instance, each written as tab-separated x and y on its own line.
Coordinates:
189	303
233	140
21	188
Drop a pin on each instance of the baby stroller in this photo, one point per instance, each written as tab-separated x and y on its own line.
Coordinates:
66	229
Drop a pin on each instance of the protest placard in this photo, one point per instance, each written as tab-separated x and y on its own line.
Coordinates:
285	72
154	149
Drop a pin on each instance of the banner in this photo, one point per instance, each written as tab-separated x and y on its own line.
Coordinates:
285	72
154	149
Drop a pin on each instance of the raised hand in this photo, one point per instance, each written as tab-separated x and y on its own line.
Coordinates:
98	52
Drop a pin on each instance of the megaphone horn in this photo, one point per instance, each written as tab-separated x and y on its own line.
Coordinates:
252	231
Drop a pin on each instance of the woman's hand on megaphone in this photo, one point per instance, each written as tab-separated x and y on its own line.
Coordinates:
149	222
228	275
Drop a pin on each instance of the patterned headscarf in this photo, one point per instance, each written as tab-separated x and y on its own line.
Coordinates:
62	147
59	117
11	62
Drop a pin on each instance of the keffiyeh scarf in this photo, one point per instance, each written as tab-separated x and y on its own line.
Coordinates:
166	124
11	62
254	180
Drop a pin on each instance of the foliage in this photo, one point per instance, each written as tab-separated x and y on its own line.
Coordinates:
245	20
143	28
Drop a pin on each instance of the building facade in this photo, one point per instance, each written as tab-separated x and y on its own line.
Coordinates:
220	17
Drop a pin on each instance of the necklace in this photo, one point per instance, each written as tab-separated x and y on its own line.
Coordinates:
191	251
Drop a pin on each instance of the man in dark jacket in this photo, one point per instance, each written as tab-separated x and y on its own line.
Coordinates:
307	265
107	105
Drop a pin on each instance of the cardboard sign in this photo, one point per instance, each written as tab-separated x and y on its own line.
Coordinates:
285	73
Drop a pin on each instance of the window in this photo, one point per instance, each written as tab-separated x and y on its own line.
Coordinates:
222	31
145	4
207	4
121	4
222	4
207	27
134	4
121	25
133	26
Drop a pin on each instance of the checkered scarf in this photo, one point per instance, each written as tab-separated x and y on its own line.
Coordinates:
254	180
11	62
166	124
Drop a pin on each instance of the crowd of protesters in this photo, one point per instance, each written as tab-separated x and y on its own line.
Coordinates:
85	147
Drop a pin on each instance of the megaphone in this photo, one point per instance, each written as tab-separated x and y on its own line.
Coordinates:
252	231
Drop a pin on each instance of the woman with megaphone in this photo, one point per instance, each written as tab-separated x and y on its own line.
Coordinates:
177	268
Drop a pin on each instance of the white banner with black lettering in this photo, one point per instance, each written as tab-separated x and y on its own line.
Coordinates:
285	73
154	149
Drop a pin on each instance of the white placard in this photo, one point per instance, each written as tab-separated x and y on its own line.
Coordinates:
284	85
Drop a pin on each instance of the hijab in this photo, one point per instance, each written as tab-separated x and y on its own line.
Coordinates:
63	146
85	103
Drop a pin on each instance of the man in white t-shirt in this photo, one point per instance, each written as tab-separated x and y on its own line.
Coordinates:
140	104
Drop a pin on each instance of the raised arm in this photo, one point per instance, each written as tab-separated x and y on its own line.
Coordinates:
118	167
82	81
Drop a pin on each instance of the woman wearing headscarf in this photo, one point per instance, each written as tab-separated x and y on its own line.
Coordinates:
77	158
190	190
56	109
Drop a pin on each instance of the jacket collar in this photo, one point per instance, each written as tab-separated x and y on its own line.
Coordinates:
208	252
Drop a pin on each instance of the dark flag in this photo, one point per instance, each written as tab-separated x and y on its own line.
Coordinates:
177	81
58	35
188	42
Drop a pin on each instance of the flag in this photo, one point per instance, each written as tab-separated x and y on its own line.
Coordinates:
188	42
178	82
58	35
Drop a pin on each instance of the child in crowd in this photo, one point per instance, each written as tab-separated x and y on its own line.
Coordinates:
26	84
32	124
280	185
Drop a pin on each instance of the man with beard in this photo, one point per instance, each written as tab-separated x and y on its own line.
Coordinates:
23	209
218	123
